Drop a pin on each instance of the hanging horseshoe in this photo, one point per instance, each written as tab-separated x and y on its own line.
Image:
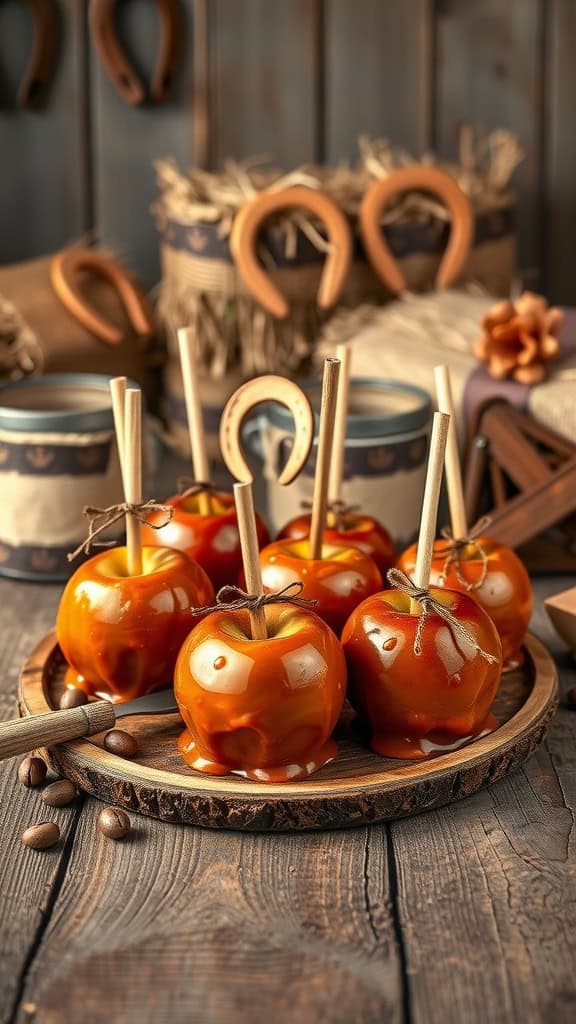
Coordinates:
244	234
118	66
421	179
42	60
65	270
270	388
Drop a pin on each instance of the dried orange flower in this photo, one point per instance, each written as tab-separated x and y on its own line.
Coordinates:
519	338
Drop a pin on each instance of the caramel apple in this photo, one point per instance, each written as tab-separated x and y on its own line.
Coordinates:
338	580
421	684
264	709
353	529
493	575
121	633
210	538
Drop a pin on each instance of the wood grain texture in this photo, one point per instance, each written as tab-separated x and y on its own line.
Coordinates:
45	192
263	80
378	74
560	201
357	788
127	140
488	72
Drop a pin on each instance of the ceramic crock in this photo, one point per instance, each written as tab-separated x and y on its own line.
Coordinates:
57	454
385	458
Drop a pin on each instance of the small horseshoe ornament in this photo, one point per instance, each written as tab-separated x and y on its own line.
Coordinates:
118	66
42	59
422	179
65	269
244	234
270	388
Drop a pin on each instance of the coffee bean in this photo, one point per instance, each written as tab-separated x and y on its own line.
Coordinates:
114	823
122	743
32	771
571	697
41	836
72	697
59	793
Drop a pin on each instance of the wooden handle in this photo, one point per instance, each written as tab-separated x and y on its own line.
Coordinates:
324	455
244	235
25	734
116	63
427	532
44	52
244	502
343	353
422	179
452	458
65	269
189	367
266	389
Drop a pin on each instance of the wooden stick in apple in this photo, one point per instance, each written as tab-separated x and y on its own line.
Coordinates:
452	460
133	474
189	366
432	486
118	392
244	502
324	455
343	353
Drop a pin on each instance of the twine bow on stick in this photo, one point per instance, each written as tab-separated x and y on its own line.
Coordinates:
232	599
454	548
100	519
338	509
400	581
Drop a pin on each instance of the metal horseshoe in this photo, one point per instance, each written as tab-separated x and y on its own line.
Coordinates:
270	388
408	179
65	270
40	67
244	234
117	64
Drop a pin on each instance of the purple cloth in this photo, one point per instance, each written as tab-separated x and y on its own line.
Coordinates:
480	386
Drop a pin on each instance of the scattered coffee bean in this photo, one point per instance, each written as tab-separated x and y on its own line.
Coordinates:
114	823
59	793
41	836
122	743
32	771
73	697
571	697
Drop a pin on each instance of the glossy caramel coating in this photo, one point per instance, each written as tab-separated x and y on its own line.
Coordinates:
211	540
339	581
356	530
416	705
264	709
506	593
121	634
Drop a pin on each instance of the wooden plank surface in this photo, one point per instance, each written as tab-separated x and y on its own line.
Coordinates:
489	73
465	914
127	140
263	80
45	191
378	74
560	202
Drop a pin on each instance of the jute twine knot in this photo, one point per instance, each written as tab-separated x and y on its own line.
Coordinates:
454	548
232	599
339	509
189	488
101	519
430	605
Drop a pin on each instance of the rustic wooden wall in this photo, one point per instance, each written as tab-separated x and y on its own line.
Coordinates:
298	79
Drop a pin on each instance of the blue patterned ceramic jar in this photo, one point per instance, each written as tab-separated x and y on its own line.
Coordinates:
385	458
57	454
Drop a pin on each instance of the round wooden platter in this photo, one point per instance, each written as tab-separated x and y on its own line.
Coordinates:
357	788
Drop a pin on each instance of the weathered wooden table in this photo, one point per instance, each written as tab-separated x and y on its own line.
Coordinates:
462	915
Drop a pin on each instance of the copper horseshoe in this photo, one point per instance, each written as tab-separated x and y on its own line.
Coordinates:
65	270
270	388
422	179
245	232
119	68
44	50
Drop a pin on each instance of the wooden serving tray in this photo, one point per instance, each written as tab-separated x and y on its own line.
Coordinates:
358	787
